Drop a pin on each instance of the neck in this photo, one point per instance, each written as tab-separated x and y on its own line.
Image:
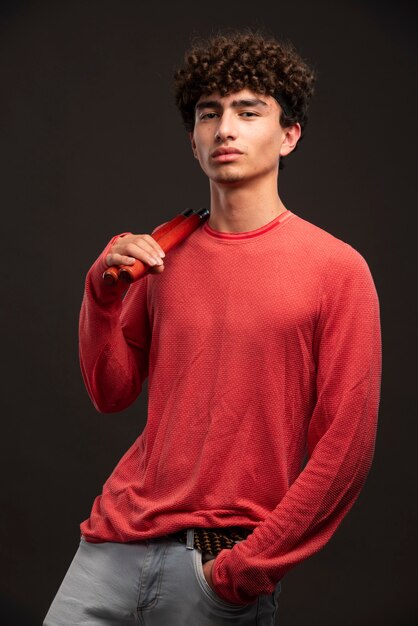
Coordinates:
236	209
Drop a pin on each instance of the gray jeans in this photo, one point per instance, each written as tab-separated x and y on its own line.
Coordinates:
151	583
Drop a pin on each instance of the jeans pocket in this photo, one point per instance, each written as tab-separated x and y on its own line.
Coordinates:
207	589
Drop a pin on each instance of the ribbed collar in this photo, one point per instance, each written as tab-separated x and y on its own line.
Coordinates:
251	233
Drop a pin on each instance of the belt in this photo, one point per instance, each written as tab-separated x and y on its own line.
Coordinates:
213	540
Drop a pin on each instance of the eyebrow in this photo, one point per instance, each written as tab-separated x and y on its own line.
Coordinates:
236	104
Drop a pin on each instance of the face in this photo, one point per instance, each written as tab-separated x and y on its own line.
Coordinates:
239	138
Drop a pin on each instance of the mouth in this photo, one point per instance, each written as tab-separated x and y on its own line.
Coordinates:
226	155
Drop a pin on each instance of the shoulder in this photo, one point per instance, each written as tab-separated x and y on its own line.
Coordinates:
331	255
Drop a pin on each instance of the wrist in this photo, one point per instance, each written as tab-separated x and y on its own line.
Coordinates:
207	571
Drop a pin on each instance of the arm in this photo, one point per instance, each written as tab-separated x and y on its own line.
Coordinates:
114	332
340	443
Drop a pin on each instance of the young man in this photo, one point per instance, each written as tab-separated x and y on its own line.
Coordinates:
260	338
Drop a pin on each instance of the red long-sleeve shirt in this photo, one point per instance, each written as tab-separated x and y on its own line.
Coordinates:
263	356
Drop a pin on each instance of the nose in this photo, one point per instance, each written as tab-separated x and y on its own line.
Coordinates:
227	128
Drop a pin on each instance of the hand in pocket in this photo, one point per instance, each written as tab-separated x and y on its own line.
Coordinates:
207	572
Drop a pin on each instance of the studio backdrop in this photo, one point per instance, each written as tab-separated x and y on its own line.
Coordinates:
92	145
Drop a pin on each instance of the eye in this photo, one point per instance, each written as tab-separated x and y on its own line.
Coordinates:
249	114
208	116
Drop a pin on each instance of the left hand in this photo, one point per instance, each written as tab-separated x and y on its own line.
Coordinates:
207	571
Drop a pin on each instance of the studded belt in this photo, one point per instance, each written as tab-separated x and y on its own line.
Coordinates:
213	540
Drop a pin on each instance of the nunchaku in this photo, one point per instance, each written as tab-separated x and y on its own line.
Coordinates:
168	235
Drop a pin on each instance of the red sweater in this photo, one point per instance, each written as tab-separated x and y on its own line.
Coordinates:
263	356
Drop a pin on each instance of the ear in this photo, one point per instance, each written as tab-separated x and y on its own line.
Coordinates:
291	137
192	141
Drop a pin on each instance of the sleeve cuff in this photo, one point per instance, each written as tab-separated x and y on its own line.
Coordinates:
225	587
101	292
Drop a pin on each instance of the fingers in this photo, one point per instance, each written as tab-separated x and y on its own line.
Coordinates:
119	259
154	244
131	247
144	251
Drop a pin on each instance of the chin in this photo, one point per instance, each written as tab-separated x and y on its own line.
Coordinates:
228	177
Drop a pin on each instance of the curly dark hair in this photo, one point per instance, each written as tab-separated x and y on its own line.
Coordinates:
227	63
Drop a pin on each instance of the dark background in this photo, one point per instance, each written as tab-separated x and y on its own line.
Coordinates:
91	145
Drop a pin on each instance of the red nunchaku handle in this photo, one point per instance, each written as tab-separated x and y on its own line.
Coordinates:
111	275
130	273
168	235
